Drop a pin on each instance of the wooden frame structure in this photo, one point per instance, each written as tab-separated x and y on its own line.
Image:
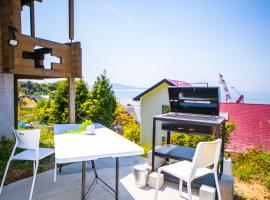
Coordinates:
23	56
13	59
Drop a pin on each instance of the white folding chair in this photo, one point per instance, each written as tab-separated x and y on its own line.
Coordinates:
206	155
28	140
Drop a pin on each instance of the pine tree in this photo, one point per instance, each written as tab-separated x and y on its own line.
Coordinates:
82	96
101	106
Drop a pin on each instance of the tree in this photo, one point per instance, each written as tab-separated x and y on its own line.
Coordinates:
82	96
60	109
101	106
122	118
56	110
131	128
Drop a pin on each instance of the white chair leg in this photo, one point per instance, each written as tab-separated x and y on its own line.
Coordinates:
217	186
4	177
34	167
189	190
180	187
34	180
55	169
157	183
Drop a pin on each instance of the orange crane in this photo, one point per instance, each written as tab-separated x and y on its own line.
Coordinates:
227	92
225	88
240	98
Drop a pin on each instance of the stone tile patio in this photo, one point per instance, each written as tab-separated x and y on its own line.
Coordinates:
68	185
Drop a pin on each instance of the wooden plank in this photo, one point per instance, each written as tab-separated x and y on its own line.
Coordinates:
61	52
18	70
66	60
26	63
62	67
43	42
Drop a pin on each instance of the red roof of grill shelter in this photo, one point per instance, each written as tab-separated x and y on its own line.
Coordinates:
252	125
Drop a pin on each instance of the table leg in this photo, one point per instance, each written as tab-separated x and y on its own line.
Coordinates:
168	142
222	146
94	168
153	144
83	180
168	137
116	178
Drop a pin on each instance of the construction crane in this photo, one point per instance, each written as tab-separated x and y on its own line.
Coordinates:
240	98
225	88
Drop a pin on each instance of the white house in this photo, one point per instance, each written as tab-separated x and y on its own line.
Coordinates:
155	101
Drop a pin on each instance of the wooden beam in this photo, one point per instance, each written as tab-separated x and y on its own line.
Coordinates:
32	18
71	101
71	19
27	2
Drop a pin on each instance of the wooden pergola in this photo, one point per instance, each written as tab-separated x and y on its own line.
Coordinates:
24	59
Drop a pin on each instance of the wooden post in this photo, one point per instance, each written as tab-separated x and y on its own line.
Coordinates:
71	19
71	100
32	18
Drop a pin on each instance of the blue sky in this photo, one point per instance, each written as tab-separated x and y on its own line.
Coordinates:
140	42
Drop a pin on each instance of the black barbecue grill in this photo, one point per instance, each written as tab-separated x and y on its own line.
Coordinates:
192	103
193	110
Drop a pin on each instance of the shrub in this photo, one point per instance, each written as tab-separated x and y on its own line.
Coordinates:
191	140
253	164
229	128
130	127
188	140
132	132
6	146
147	148
122	118
81	128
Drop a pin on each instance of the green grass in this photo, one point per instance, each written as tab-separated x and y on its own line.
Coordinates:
253	165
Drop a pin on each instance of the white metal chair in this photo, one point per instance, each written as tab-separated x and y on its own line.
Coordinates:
28	140
206	155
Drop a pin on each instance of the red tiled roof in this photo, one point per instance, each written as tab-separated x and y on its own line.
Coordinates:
252	125
179	83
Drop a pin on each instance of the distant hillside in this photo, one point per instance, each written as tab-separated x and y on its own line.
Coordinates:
122	86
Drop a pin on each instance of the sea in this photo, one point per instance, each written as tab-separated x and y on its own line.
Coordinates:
125	96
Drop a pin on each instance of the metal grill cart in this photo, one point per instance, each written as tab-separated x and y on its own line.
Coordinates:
195	110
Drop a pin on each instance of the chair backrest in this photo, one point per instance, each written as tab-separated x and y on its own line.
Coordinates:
62	128
27	139
206	154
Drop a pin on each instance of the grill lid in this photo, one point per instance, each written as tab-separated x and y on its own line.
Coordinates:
195	100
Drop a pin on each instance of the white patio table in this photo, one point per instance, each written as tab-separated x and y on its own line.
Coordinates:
103	144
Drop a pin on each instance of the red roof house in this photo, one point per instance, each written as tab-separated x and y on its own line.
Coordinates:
252	125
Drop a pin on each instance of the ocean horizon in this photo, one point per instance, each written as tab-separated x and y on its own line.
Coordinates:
125	96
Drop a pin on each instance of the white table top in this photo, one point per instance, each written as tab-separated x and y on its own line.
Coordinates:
82	147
